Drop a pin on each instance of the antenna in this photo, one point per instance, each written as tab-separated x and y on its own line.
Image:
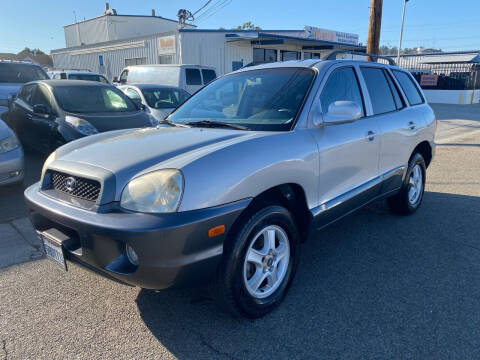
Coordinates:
75	15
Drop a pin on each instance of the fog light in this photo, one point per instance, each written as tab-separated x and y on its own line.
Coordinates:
131	255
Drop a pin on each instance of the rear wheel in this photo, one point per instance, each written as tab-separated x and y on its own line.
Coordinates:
259	262
410	197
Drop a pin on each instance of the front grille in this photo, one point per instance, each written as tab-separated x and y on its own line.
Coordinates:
78	187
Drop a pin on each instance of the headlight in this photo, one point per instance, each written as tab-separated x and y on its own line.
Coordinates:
9	144
156	192
80	125
51	158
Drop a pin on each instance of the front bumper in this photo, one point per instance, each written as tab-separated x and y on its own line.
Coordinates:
173	249
11	167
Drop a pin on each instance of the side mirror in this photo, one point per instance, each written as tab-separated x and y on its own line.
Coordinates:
41	109
341	112
115	79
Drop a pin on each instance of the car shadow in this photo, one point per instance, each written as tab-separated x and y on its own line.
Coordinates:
371	285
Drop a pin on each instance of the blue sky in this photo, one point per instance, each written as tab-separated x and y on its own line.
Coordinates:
449	25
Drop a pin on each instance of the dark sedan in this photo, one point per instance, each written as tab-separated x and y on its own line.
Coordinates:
49	113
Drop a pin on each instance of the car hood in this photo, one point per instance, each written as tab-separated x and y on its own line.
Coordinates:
130	153
9	89
115	121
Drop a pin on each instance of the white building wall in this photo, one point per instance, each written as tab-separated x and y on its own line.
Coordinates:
115	27
464	97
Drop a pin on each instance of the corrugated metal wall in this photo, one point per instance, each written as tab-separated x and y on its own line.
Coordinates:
114	54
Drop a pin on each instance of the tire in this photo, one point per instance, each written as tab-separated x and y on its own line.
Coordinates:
408	200
233	292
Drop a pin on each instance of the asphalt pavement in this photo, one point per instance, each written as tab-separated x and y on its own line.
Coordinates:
373	285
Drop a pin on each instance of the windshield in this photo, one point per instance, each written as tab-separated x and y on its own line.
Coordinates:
92	99
89	77
164	98
265	99
21	73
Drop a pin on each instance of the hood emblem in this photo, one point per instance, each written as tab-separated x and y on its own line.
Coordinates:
70	184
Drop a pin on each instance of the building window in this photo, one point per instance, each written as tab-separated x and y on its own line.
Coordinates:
290	55
310	55
261	56
165	59
136	61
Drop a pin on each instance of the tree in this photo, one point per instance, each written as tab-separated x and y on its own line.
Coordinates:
248	26
387	50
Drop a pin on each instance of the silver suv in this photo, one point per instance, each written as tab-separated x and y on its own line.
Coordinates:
228	186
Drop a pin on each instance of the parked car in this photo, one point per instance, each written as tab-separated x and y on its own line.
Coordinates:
49	113
77	75
250	165
159	101
13	74
11	157
187	77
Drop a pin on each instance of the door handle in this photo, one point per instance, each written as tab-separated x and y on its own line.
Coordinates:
411	125
370	135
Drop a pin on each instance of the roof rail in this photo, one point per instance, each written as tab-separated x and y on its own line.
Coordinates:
333	56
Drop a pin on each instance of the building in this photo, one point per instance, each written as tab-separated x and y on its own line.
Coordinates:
108	43
446	77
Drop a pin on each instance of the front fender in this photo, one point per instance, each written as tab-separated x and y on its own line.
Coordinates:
246	169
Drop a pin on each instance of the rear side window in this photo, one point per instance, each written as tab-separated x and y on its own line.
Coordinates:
409	88
396	95
208	76
193	77
342	85
379	90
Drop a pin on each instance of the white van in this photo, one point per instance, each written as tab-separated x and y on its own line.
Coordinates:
188	77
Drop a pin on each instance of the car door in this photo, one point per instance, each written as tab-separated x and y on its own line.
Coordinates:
348	152
389	108
42	125
193	80
21	114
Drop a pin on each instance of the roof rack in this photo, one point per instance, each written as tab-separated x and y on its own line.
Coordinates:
333	56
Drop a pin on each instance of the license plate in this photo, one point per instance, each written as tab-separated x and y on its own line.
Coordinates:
54	251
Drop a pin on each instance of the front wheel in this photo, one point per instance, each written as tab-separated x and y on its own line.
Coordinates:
259	262
410	197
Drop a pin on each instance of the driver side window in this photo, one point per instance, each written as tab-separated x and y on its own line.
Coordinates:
342	85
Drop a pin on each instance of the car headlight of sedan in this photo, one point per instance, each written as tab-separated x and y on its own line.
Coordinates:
81	125
8	144
156	192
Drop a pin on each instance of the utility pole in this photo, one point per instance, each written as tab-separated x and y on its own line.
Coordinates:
401	31
374	26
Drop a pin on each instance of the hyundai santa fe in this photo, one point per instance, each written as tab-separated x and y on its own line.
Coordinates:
227	187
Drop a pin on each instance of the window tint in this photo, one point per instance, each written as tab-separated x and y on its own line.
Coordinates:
26	94
21	73
342	85
193	77
379	90
92	99
41	97
135	96
409	88
164	98
208	76
264	99
396	95
123	76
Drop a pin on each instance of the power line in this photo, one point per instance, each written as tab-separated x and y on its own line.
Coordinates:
196	12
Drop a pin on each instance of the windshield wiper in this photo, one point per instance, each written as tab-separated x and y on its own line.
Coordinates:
171	123
210	123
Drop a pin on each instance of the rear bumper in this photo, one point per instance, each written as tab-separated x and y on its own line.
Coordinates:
173	249
11	167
